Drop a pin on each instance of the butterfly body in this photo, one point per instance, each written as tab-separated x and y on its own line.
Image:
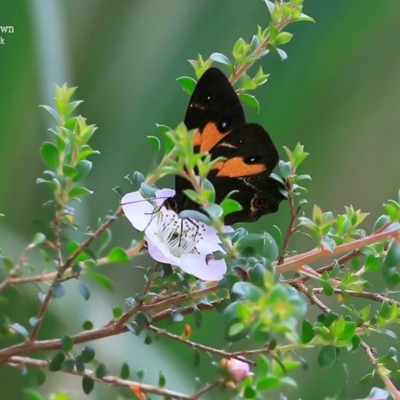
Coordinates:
250	155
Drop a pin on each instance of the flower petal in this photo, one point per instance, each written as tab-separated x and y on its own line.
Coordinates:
163	194
137	209
211	240
159	251
203	268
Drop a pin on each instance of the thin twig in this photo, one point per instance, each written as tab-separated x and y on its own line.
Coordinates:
16	361
388	383
222	353
168	302
108	330
341	261
367	349
292	263
63	267
291	229
364	295
14	272
207	389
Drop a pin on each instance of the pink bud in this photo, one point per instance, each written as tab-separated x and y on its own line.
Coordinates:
239	370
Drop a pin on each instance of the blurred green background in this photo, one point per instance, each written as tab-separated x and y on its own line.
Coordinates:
338	93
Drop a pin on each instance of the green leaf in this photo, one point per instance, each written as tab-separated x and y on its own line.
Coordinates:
82	168
55	363
40	377
32	394
52	112
79	364
307	332
84	291
176	316
283	38
20	329
282	54
119	255
50	156
87	354
380	222
267	383
155	143
148	339
392	258
196	358
262	366
67	343
79	191
248	241
327	356
247	291
196	215
38	238
230	206
100	279
68	365
58	290
87	384
249	392
33	321
101	371
385	310
188	84
236	330
198	317
250	100
87	325
125	371
117	312
138	179
372	263
213	210
161	380
222	59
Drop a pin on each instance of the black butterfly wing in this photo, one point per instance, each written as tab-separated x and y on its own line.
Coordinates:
248	150
214	110
258	194
250	158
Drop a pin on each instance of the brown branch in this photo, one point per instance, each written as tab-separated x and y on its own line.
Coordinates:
294	212
89	240
14	272
367	349
167	302
63	267
207	389
16	361
292	263
133	251
199	346
364	295
262	46
386	380
111	329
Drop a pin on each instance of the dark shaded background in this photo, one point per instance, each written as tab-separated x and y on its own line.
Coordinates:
337	93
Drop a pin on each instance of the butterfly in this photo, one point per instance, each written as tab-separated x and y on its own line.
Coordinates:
215	111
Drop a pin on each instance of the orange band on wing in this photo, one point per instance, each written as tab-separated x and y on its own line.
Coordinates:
196	140
210	137
236	167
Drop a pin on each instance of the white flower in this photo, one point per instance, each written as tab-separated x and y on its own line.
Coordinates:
181	242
